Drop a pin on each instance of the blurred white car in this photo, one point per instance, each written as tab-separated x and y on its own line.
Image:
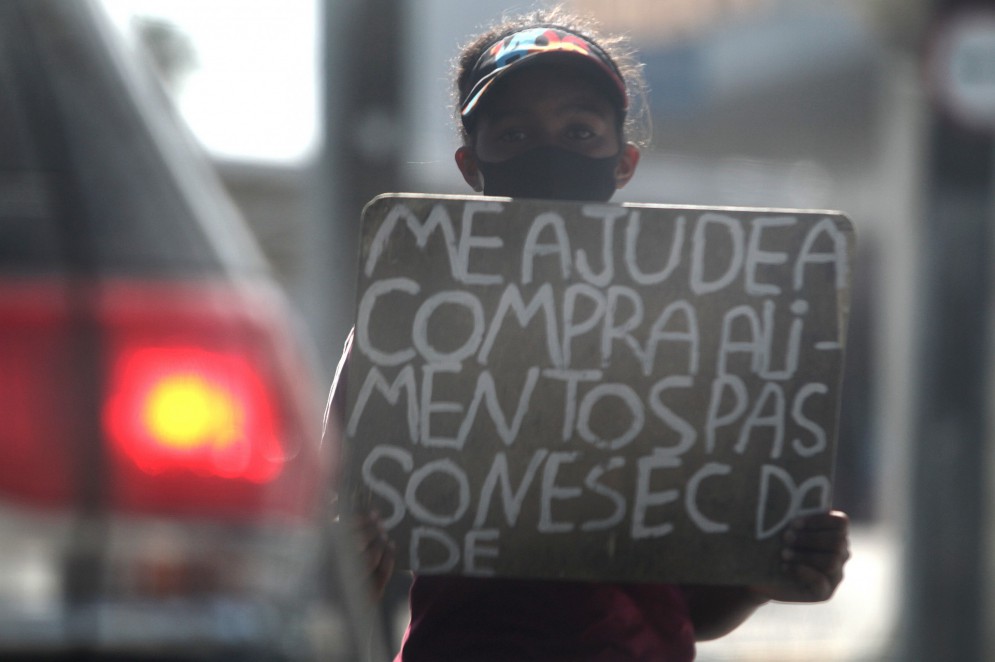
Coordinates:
162	481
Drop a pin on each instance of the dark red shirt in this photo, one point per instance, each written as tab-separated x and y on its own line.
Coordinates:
464	618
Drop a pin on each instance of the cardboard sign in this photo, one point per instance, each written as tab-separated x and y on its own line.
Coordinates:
595	391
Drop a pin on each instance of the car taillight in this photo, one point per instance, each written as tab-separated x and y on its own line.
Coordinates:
190	409
37	407
209	408
199	405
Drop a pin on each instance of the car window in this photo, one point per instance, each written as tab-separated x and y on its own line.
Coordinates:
27	228
119	211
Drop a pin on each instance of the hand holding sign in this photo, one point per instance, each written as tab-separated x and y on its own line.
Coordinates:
815	550
596	391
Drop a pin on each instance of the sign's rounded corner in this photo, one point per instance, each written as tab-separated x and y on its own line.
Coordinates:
378	200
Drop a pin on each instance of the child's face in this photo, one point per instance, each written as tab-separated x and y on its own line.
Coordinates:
543	108
546	106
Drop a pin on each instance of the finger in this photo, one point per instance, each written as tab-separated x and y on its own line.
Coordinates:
380	574
368	528
817	541
826	522
385	563
811	585
821	532
830	565
368	537
374	555
378	551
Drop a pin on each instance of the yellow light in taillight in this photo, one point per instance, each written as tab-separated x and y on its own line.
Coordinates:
195	409
185	411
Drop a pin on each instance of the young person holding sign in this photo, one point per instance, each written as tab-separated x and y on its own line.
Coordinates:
543	104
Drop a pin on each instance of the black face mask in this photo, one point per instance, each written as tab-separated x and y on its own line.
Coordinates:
552	173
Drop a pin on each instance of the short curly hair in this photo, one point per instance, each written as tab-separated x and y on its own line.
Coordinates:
637	126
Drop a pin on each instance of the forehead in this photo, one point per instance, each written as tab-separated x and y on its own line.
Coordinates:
547	88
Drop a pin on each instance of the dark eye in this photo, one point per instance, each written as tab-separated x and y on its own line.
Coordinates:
580	132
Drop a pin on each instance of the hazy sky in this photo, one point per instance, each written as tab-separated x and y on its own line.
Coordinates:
252	93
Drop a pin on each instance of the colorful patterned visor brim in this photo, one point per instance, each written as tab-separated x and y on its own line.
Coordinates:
524	46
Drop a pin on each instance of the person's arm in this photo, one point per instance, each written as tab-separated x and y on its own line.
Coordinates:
815	549
718	610
378	552
367	530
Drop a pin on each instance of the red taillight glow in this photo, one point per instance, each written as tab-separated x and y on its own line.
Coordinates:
190	409
172	399
36	394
